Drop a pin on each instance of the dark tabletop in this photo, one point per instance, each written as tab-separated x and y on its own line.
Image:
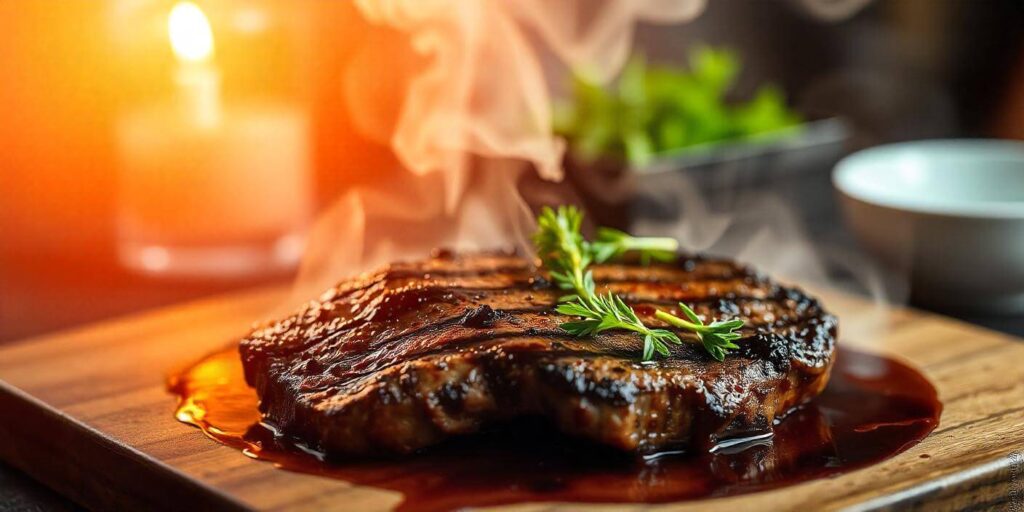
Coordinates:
20	493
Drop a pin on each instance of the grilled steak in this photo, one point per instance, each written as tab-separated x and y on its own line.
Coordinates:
402	358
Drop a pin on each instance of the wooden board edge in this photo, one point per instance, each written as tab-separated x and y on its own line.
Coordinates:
256	298
56	449
994	485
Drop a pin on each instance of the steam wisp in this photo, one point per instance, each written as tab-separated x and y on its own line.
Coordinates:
461	93
473	117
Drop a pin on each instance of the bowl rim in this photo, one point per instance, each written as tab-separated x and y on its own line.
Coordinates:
1002	150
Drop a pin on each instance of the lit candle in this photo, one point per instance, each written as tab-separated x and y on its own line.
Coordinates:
209	186
197	79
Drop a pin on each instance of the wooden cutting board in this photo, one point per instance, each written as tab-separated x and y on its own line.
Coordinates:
87	413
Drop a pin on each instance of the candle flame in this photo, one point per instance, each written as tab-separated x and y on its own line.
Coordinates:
191	36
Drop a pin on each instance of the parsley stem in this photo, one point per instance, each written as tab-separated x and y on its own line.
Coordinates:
652	244
675	321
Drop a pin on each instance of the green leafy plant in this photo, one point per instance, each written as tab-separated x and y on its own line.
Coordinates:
567	255
653	110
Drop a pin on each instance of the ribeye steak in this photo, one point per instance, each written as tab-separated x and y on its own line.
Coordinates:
402	358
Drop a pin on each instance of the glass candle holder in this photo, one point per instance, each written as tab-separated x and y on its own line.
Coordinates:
213	181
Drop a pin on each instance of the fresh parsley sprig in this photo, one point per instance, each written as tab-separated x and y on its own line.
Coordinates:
604	312
566	254
563	250
717	338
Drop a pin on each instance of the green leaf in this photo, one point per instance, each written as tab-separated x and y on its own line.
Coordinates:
667	336
625	310
639	148
715	69
716	352
661	348
604	252
632	81
690	314
581	328
608	322
612	243
573	309
588	283
765	114
672	133
727	325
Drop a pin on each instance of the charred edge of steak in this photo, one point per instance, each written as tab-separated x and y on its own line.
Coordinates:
402	358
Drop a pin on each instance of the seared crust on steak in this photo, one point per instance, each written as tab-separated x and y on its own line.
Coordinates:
402	358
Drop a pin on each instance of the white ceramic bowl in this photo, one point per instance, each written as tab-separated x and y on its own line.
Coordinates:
950	213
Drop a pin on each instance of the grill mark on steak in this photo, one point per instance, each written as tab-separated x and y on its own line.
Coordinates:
396	273
385	304
399	359
375	359
603	272
371	333
759	342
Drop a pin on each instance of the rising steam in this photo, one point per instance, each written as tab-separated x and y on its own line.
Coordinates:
459	92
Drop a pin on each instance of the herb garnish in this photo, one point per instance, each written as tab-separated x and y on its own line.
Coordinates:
612	244
717	338
653	110
566	254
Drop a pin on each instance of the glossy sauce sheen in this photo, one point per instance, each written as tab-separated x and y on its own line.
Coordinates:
872	409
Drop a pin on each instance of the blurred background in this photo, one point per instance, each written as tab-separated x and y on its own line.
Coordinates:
147	158
87	131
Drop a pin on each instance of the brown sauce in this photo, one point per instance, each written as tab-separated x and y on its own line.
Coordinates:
873	408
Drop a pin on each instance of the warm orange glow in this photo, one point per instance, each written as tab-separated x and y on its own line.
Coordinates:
191	36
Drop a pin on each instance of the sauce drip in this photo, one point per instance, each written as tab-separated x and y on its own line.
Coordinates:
872	409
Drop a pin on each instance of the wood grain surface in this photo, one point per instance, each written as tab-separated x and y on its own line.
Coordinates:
87	413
